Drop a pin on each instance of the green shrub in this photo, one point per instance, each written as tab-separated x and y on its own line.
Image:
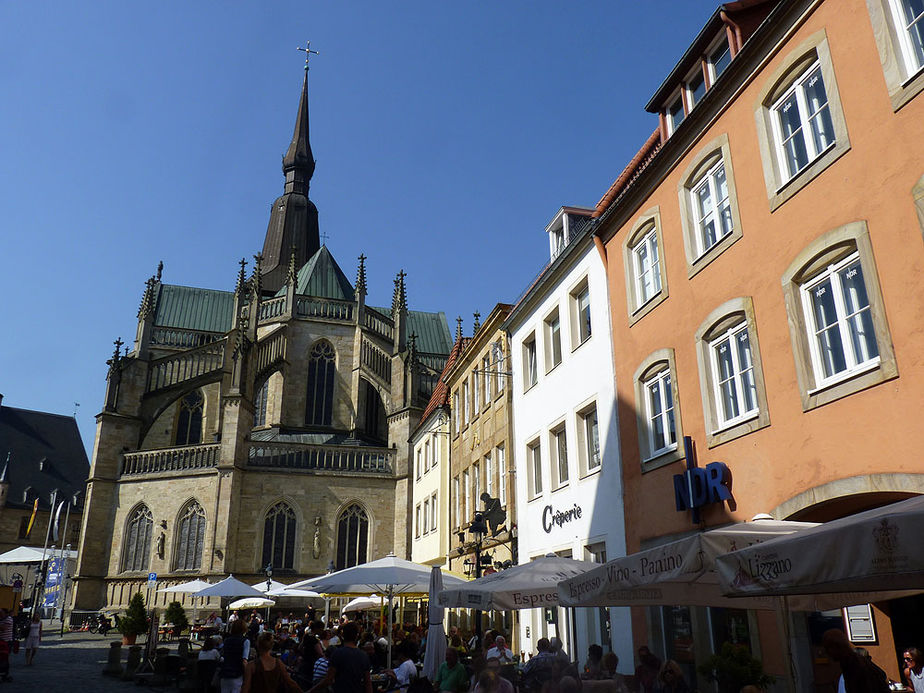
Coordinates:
734	667
176	615
135	620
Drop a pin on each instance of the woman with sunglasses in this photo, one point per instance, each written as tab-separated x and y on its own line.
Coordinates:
914	669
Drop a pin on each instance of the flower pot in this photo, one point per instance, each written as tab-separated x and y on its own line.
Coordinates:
129	639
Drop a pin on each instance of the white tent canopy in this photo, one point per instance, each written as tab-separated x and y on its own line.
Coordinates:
274	585
229	587
250	603
680	572
23	555
870	556
190	587
525	586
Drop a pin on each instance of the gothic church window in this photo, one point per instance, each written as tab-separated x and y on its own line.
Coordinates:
279	537
189	420
190	537
321	362
259	404
138	533
352	537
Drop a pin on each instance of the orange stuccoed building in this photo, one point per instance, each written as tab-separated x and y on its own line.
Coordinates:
764	259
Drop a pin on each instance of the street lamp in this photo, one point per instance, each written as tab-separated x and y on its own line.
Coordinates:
268	572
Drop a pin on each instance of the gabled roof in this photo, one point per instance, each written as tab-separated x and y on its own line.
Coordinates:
632	171
45	453
322	277
440	396
191	308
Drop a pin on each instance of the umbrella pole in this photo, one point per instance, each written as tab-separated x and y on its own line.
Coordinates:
782	614
390	619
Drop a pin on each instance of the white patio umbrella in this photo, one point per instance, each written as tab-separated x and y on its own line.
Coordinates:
190	587
274	585
525	586
871	556
389	576
286	591
250	603
680	572
436	635
363	603
229	587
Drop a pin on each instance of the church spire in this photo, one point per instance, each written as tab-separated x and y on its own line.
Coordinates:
298	162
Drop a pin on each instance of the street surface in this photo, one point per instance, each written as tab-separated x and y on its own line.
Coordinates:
68	662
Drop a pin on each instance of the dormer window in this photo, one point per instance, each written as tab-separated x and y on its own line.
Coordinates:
718	58
27	494
696	87
557	241
567	224
675	114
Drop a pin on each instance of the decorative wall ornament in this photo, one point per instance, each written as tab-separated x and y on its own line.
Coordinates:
316	545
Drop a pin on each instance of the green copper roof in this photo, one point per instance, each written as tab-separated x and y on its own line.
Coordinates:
322	277
431	329
189	308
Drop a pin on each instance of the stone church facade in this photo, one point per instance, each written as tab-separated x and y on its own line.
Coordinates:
262	426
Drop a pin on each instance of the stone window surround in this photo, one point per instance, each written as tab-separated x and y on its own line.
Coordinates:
708	156
532	493
850	237
917	192
648	218
574	314
902	85
581	413
548	341
558	427
732	312
653	363
779	187
177	524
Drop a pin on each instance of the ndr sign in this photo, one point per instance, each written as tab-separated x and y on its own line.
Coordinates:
697	487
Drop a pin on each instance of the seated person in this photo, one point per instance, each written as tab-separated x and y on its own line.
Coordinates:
406	671
500	650
491	681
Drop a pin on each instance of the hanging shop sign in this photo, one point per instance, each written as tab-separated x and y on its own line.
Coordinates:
698	487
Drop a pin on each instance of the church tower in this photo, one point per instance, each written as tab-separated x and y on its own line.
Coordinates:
293	219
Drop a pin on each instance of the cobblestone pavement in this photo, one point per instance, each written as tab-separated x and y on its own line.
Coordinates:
74	661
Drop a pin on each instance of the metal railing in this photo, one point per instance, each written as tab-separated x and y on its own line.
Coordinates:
185	458
176	338
328	309
320	457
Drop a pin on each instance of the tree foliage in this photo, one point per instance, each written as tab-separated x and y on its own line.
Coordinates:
135	620
733	667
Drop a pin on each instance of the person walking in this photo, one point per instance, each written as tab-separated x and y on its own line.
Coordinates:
266	674
33	639
6	644
348	670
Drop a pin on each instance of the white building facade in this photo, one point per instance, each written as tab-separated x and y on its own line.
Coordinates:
565	434
430	475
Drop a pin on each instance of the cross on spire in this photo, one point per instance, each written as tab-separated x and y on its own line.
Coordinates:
324	237
307	50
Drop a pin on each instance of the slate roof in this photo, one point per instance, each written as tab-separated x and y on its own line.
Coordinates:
322	277
45	453
191	308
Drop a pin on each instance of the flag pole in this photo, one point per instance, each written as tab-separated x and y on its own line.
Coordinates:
38	593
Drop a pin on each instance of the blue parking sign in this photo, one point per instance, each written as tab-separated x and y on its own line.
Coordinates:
152	579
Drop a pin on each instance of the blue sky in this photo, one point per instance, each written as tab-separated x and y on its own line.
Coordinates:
447	134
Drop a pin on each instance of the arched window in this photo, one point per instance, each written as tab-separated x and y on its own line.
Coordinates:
190	537
138	533
259	404
321	371
352	537
279	537
189	421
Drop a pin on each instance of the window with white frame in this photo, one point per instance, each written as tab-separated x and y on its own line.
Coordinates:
659	410
476	486
498	365
434	451
534	460
417	524
489	475
501	475
434	512
419	463
838	325
588	439
733	376
552	327
674	114
455	411
580	309
467	498
476	393
426	455
465	403
696	86
646	260
712	213
898	27
530	366
803	127
909	15
841	334
718	58
558	448
456	502
426	516
486	380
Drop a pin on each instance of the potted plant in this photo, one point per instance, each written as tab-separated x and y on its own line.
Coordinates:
733	667
176	615
135	620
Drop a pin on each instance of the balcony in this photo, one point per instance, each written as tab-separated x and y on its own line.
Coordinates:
179	459
321	458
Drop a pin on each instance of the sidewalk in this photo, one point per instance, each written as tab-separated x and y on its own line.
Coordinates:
68	662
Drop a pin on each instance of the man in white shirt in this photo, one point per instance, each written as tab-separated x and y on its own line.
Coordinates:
500	650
